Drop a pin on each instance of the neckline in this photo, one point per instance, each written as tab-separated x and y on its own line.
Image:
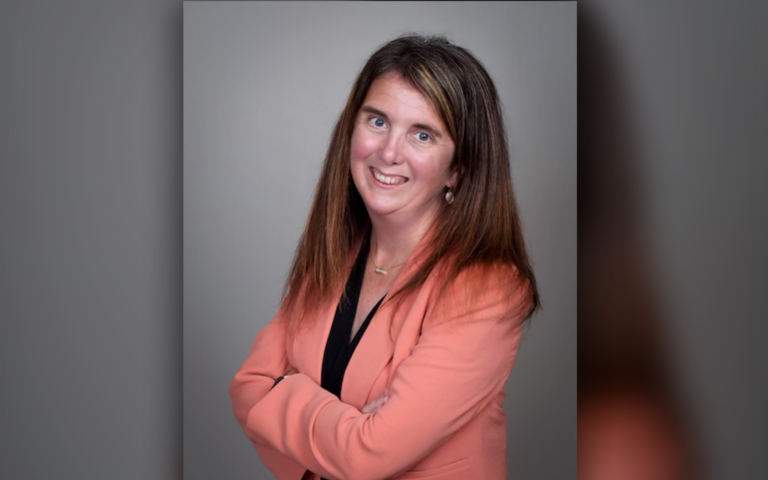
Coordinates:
354	287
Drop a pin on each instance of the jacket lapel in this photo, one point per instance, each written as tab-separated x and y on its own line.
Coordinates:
377	346
370	358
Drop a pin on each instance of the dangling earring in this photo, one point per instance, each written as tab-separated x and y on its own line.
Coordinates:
449	198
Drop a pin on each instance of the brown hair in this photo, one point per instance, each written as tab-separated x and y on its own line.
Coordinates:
482	226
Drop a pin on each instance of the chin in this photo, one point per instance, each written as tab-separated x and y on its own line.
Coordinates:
379	210
379	206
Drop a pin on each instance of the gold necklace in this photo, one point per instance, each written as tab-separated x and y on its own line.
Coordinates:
381	270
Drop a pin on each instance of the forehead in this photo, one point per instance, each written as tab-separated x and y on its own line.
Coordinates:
392	91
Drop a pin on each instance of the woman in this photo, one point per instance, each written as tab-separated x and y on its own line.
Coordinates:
412	259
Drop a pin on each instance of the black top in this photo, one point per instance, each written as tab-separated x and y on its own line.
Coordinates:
338	348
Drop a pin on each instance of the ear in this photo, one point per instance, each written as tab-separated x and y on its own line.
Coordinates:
453	179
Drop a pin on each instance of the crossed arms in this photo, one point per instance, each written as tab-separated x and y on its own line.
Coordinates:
455	369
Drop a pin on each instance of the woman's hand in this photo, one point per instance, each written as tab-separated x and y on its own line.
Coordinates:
377	403
291	371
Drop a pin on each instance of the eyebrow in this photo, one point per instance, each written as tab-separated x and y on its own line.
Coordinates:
421	126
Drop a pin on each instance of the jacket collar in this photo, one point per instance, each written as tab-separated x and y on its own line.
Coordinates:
378	344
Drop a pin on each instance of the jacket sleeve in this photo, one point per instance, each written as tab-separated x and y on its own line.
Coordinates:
266	361
461	361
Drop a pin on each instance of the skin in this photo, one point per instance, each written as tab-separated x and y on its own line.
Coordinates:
399	134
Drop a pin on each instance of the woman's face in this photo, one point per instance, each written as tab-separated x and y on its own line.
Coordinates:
401	153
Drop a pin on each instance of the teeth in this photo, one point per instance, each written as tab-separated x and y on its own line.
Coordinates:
388	180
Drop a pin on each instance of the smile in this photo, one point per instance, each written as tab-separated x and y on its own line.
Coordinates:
396	180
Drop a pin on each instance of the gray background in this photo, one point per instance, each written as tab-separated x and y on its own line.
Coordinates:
263	85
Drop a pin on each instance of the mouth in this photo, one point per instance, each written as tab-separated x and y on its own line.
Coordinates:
389	180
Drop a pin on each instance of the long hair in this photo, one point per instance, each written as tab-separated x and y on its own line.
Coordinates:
482	226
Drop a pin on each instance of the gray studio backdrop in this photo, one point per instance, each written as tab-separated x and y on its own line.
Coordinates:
263	85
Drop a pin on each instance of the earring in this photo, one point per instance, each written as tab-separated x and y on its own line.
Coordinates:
449	198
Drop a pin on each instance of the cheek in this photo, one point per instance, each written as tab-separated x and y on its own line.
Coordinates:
429	168
363	145
444	160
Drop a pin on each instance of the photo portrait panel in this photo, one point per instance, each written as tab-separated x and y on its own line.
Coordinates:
264	84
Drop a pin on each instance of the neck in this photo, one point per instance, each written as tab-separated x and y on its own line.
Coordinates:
392	243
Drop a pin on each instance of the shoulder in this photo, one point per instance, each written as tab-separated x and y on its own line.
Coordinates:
480	292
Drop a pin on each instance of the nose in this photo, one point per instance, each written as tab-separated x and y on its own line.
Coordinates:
390	150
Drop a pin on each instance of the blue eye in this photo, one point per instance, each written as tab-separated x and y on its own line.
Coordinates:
424	137
377	122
